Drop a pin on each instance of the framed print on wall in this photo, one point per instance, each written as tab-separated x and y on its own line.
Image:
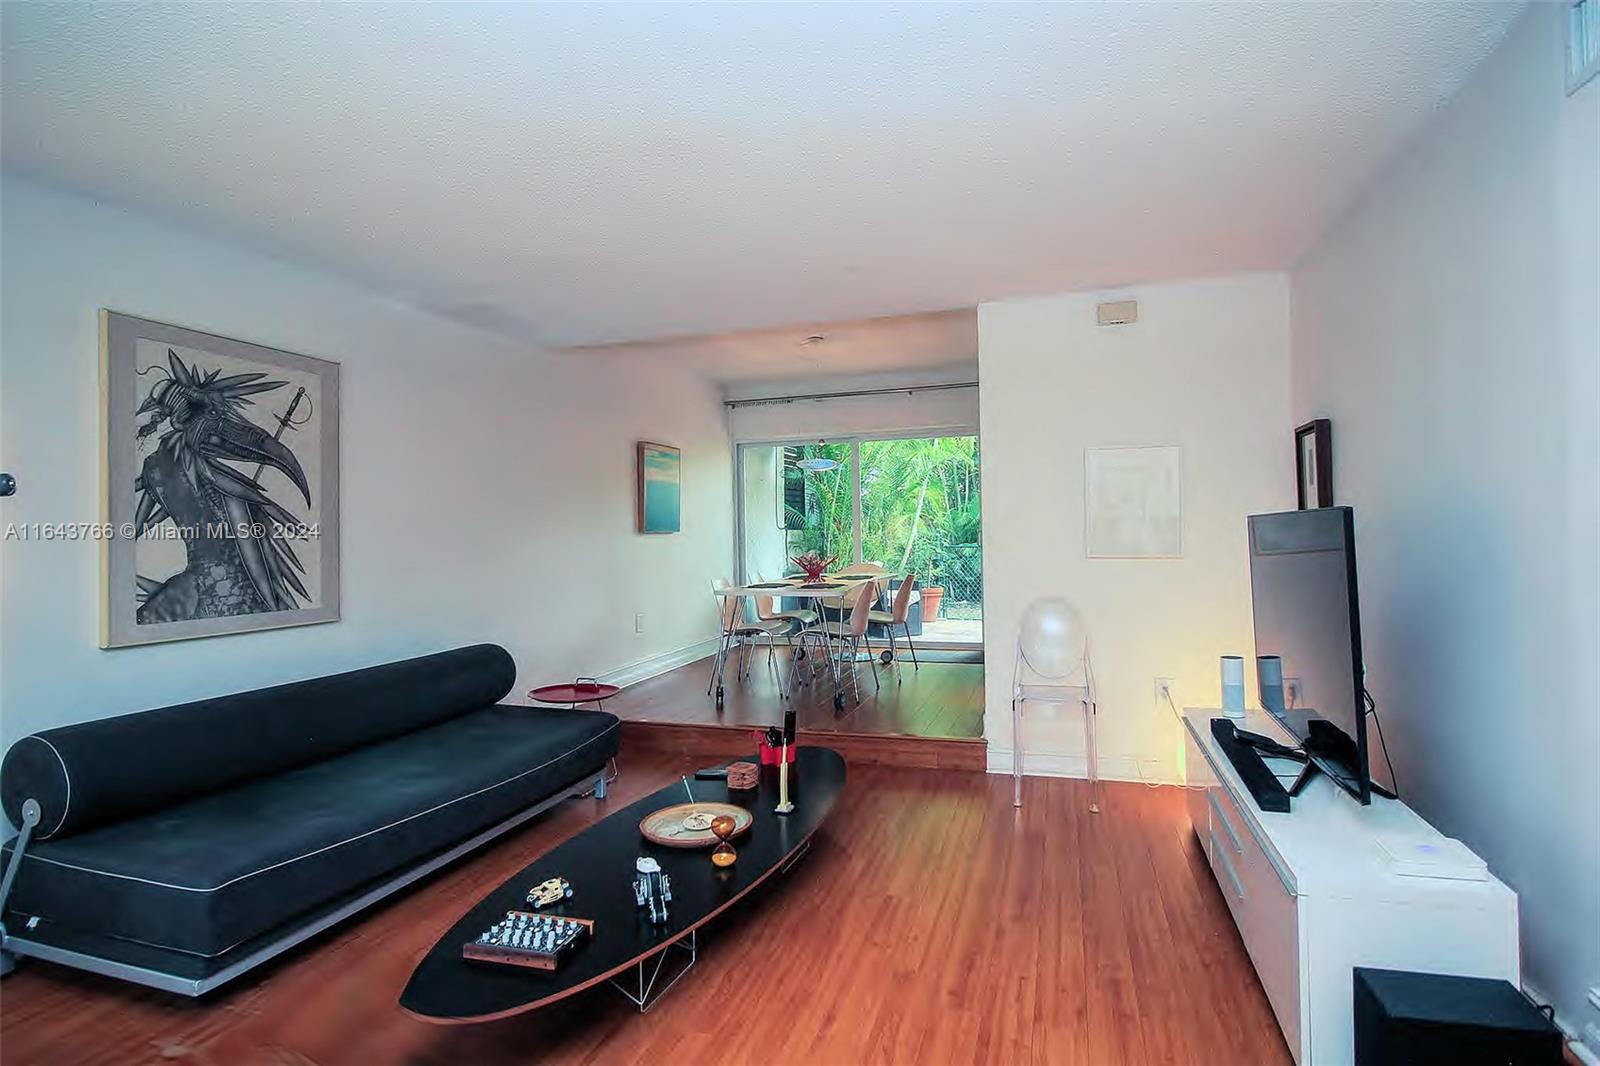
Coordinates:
1313	458
1133	502
219	484
660	480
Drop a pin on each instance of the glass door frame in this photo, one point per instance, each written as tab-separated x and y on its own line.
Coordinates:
855	440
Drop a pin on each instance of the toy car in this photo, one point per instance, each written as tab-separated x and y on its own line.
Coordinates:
547	892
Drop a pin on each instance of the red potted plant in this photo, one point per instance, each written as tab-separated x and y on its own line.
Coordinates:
813	564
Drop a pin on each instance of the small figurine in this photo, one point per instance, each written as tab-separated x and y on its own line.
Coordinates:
652	889
547	892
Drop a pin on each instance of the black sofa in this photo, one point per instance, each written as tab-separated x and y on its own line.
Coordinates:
179	847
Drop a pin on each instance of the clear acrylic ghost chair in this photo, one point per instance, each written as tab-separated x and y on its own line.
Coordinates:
1052	666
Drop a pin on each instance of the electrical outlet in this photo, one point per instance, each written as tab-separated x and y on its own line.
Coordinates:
1163	689
638	623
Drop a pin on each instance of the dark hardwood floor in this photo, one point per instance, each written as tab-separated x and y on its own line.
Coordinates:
939	700
931	923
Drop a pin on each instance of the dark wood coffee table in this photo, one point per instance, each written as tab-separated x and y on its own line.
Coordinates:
598	862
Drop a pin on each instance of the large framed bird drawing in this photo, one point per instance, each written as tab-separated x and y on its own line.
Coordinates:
220	485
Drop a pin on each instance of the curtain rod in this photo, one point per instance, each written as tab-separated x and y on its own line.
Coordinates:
907	389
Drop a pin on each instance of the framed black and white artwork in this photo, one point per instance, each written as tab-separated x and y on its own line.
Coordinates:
1133	502
220	484
1313	454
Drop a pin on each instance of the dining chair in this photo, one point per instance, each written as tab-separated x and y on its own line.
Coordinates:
803	615
738	634
898	615
862	568
777	624
805	621
852	635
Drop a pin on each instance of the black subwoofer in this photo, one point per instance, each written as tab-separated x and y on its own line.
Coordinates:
1409	1019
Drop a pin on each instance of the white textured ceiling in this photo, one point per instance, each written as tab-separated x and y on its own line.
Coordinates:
575	174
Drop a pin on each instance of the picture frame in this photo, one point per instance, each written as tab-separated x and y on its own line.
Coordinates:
1133	502
659	477
219	484
1313	464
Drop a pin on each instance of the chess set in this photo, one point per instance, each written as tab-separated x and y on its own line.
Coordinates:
537	941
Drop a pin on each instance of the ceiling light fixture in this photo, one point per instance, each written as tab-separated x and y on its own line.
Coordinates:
817	464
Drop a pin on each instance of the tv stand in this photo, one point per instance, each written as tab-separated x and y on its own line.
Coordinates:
1313	897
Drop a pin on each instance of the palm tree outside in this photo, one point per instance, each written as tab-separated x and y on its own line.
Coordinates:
921	511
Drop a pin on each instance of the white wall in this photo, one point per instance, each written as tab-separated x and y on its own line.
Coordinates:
487	489
1448	327
1206	368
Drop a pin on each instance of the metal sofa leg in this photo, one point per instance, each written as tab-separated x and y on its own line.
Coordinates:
30	820
608	773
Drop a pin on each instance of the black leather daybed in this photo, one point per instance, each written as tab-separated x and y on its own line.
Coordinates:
180	847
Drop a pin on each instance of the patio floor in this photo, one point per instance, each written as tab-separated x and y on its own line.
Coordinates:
953	630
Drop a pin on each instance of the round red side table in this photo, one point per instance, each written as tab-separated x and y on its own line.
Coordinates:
583	690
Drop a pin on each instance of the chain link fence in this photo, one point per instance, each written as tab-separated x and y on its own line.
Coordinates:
961	574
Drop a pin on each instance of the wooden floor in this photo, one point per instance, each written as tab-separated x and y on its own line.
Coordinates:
938	700
931	923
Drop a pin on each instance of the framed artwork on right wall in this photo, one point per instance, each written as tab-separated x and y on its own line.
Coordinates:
1313	460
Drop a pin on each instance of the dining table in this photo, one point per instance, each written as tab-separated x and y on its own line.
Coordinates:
828	590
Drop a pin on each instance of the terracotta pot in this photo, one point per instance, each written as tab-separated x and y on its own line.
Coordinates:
932	598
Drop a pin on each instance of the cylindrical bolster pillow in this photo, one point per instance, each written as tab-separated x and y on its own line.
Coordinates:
108	770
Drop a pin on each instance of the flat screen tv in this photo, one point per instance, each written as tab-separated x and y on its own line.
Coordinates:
1303	595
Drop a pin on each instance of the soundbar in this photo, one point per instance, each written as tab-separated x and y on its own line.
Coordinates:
1265	788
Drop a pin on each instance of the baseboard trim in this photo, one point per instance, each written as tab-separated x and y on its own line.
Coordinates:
656	665
1112	767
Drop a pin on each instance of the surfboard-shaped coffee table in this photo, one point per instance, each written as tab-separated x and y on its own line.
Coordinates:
625	948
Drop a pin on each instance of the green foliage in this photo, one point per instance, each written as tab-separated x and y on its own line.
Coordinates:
825	526
919	498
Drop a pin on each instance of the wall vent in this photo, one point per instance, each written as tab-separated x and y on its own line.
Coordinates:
1120	313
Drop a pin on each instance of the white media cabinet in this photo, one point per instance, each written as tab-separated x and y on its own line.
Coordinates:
1314	896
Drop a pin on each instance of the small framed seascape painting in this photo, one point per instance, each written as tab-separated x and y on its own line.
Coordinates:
660	479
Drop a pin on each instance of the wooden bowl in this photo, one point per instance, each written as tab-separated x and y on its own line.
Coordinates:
665	827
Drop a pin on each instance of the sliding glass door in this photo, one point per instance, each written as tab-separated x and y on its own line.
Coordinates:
921	515
795	498
912	505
